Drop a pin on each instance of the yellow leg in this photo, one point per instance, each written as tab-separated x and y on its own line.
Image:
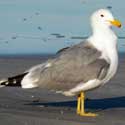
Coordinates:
80	106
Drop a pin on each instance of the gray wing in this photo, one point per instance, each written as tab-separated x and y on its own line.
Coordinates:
62	50
72	66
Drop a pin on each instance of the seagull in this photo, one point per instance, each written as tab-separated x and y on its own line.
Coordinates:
79	68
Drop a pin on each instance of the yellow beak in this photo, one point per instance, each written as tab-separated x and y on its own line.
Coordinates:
116	23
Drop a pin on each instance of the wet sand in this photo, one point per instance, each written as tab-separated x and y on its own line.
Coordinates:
43	107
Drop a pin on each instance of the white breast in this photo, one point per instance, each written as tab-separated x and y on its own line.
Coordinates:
106	42
113	65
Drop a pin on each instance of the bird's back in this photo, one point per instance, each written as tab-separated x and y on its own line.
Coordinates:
69	68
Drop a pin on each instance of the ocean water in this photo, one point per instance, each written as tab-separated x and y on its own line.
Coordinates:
44	26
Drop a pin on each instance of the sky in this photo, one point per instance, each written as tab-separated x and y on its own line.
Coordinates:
45	26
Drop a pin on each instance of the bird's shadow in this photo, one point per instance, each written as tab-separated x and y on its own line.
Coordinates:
95	104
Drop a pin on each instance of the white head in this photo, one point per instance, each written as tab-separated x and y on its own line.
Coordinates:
103	38
103	18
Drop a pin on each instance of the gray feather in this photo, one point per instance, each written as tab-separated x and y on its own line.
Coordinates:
79	63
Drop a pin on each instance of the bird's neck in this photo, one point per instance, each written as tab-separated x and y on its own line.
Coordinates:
105	41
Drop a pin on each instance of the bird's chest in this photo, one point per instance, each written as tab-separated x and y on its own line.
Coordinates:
112	59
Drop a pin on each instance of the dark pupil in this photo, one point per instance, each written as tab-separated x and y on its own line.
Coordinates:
102	15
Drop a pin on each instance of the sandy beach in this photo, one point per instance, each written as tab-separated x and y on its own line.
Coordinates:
43	107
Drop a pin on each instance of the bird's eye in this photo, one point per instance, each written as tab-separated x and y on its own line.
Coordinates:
102	15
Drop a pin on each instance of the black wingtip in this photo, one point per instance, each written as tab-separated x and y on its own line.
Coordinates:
13	81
